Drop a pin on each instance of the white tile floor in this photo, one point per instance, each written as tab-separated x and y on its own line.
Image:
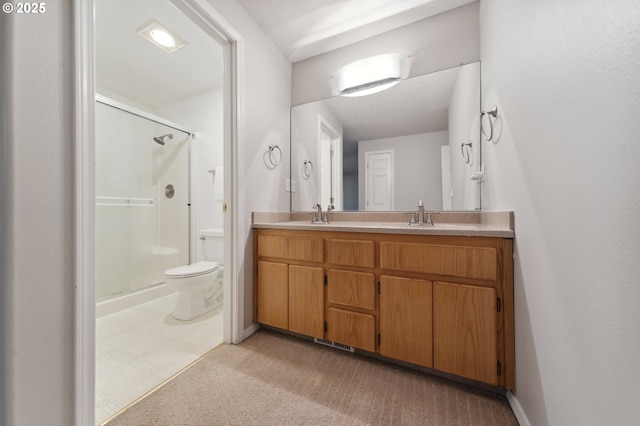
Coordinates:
139	348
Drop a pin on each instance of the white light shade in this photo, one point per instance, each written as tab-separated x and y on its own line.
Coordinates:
371	75
161	37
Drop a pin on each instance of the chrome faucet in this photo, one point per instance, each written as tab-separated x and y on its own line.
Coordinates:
317	215
420	212
421	220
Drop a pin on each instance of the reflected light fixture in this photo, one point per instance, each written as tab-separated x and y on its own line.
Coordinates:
161	37
371	75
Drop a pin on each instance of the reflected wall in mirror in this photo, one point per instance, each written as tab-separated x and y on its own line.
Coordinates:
419	140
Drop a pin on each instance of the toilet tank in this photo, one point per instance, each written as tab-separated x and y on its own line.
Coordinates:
213	244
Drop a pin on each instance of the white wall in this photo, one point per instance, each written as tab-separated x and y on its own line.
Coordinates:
304	136
202	114
436	43
37	178
417	169
37	211
4	217
464	127
266	100
564	75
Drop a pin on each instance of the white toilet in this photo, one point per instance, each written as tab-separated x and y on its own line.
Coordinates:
199	285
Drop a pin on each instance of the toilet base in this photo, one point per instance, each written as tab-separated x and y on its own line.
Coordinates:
193	304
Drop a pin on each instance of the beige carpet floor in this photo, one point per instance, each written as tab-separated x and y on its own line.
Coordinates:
273	379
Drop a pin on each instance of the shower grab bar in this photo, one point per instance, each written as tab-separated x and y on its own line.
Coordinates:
124	202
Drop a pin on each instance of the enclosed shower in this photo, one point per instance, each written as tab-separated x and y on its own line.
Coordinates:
142	198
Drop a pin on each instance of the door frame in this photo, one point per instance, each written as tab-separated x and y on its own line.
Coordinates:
324	126
204	15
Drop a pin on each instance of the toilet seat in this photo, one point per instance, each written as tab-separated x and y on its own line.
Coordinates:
193	270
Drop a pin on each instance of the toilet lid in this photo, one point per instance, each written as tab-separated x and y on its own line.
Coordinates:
193	270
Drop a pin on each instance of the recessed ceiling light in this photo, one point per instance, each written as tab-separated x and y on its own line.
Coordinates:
161	37
164	38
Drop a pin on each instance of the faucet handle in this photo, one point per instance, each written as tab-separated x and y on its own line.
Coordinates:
412	217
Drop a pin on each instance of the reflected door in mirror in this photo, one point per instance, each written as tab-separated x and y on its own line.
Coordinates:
379	179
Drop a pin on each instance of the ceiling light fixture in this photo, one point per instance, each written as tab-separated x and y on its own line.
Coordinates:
371	75
161	37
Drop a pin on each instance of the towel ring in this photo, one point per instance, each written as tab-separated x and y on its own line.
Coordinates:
307	169
467	154
274	159
494	113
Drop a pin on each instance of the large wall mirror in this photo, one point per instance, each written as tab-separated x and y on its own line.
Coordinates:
419	140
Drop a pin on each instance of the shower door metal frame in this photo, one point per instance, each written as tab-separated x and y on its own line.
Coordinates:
135	111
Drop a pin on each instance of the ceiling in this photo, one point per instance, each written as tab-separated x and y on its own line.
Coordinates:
129	66
306	28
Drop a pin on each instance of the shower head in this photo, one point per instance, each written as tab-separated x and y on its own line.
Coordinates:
160	139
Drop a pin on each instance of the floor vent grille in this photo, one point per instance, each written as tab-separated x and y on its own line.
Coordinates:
334	345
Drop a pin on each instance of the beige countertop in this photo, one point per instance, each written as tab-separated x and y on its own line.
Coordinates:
471	224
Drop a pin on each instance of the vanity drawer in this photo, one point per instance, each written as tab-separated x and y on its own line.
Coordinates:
356	289
292	248
351	328
466	262
351	252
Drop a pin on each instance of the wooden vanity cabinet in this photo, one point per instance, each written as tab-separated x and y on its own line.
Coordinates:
273	294
290	295
306	300
406	320
351	292
472	280
442	302
351	303
351	328
464	331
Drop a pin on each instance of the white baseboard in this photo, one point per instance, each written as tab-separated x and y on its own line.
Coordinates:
517	409
250	330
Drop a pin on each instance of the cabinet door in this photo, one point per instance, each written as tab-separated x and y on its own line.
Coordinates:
406	320
273	294
357	289
306	300
351	328
464	331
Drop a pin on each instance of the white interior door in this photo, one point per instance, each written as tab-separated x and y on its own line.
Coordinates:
379	180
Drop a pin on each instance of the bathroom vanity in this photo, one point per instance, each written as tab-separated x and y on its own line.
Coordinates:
439	297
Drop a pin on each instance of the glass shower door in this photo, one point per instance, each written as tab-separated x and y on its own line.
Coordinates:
141	226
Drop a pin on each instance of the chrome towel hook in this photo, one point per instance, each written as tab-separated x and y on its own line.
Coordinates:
493	112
